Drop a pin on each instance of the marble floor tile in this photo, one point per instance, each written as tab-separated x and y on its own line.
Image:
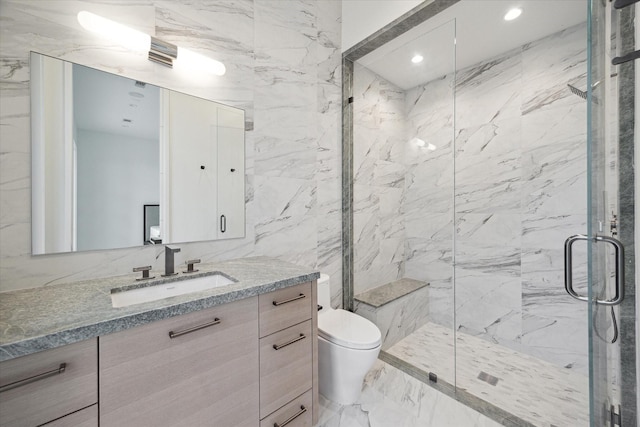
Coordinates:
391	398
531	389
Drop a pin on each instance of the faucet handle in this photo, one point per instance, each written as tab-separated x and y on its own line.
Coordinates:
190	265
145	272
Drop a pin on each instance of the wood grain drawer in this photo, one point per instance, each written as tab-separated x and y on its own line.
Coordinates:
286	372
88	417
285	307
52	396
297	413
208	377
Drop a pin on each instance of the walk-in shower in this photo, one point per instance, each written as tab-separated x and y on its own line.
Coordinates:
464	174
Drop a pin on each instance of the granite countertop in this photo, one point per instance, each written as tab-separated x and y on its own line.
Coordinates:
377	297
37	319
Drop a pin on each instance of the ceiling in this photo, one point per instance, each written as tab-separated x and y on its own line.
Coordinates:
467	33
103	102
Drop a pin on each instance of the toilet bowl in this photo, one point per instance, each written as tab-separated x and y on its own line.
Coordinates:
348	346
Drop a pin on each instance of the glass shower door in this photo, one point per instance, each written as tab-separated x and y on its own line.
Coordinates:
610	145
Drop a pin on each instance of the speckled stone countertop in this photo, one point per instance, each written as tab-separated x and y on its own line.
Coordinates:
37	319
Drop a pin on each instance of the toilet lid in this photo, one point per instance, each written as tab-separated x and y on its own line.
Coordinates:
349	330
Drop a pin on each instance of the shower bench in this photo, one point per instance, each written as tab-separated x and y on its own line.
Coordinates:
397	308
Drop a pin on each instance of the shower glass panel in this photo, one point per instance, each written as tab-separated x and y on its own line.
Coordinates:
403	182
611	144
520	190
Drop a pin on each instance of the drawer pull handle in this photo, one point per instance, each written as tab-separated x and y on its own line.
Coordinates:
20	383
292	417
279	346
277	303
173	335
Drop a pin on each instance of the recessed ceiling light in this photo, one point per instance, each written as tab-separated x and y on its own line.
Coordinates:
417	59
512	14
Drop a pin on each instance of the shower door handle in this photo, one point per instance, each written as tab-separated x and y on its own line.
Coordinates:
568	268
617	244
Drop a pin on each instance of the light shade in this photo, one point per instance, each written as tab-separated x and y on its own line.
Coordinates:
159	51
128	37
195	61
417	59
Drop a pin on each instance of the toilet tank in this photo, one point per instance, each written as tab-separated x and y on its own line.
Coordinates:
324	291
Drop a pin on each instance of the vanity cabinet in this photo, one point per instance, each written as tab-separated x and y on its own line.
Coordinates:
247	363
87	417
199	369
288	363
48	385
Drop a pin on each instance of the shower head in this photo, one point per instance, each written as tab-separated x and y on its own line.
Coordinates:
574	90
583	93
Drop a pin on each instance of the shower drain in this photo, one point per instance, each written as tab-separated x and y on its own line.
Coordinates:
487	378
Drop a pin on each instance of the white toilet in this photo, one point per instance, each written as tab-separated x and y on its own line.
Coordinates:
348	345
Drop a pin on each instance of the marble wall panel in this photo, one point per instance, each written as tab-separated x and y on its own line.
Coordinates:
489	90
283	60
551	63
488	162
379	180
429	179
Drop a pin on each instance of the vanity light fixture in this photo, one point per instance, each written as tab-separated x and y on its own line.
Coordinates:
513	14
159	51
417	59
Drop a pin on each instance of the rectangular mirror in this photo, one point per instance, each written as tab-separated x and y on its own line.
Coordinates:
106	148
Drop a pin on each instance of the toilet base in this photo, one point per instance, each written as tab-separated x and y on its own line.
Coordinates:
341	371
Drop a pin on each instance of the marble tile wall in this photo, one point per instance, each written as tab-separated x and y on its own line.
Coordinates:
283	67
518	161
378	180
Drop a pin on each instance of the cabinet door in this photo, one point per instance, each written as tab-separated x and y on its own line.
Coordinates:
88	417
296	413
285	366
57	391
208	377
285	307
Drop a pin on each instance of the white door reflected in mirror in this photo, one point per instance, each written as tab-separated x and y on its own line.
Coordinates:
105	148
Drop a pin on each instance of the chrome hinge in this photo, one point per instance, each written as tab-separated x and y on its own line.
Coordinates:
615	418
614	224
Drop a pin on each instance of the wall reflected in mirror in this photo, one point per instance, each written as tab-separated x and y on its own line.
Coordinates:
106	148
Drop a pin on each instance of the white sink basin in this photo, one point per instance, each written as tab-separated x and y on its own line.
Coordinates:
124	298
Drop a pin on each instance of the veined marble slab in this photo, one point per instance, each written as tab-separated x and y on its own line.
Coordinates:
530	388
397	308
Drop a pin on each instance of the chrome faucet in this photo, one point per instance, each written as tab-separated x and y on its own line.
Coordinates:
169	264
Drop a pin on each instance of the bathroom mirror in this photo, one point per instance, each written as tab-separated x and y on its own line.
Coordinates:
106	148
